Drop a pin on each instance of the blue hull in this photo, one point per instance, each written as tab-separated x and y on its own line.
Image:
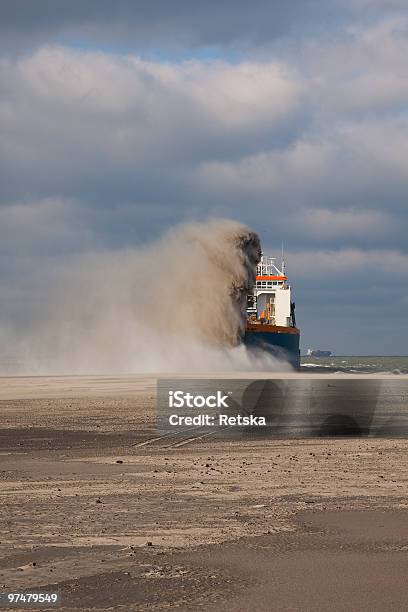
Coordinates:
281	345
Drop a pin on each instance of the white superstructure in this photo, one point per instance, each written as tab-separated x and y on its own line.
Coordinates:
271	300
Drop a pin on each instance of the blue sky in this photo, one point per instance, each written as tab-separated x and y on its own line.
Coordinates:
119	119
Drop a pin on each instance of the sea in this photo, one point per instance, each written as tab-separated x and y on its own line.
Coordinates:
324	365
356	364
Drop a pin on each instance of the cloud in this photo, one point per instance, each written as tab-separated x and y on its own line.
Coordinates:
345	262
95	121
351	298
302	134
164	25
180	25
323	225
351	165
362	72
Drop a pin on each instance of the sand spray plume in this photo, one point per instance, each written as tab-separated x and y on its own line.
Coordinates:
175	305
215	265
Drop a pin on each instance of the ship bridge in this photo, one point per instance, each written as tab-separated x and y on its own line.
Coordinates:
269	276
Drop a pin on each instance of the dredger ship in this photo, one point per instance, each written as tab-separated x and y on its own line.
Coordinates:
271	321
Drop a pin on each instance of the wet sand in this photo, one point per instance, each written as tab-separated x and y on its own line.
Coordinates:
95	505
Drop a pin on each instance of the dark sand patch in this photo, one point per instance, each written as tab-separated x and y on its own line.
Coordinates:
19	440
329	563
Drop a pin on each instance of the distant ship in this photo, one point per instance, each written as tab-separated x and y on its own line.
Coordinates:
318	353
271	322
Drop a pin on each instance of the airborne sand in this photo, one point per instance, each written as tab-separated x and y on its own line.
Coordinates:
267	524
177	304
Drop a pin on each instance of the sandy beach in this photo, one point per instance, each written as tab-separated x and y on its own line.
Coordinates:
97	506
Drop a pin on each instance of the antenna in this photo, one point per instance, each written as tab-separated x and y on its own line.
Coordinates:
283	261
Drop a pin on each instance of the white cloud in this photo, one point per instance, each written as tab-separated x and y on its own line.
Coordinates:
369	264
324	225
91	86
77	123
43	227
363	71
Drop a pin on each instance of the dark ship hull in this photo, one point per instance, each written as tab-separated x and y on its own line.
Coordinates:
281	342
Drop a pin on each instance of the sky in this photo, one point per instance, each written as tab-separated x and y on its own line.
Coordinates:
120	119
